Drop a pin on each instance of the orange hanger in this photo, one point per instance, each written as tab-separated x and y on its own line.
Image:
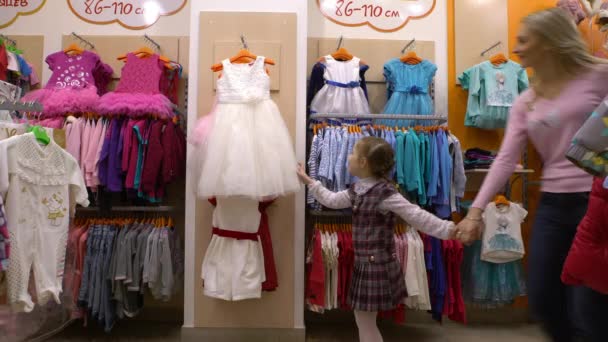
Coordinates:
411	58
243	56
144	52
342	55
500	199
498	59
73	49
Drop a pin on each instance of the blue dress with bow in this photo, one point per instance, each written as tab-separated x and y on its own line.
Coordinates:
408	90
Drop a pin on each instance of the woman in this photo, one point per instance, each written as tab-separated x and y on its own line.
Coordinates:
568	85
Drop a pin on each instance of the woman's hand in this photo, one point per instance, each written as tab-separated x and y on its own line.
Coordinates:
304	178
471	227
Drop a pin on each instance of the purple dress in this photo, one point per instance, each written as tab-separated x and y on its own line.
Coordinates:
72	87
138	93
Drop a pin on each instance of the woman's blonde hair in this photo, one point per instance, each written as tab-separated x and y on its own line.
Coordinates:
556	28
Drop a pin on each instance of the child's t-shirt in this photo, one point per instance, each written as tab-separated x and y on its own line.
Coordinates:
502	241
492	92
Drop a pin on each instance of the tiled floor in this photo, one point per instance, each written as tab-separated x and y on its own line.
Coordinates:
449	332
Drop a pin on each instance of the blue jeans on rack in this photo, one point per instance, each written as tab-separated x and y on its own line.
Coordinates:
565	312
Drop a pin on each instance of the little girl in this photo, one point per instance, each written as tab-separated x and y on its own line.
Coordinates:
377	281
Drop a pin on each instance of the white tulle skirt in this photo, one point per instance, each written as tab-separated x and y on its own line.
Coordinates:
246	151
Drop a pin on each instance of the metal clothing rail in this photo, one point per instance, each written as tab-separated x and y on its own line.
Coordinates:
440	118
128	209
21	106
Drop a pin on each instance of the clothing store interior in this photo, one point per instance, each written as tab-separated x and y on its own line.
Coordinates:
430	170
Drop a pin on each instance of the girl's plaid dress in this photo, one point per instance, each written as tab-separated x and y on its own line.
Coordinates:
377	283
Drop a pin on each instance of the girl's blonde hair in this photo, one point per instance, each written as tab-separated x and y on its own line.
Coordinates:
379	154
556	28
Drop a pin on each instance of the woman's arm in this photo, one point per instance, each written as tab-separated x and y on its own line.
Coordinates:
508	156
418	218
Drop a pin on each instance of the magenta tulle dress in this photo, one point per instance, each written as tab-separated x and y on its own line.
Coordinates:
72	87
138	93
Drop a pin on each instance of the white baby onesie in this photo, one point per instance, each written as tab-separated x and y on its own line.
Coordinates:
502	241
41	185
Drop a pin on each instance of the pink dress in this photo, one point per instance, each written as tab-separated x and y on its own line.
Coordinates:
138	93
72	86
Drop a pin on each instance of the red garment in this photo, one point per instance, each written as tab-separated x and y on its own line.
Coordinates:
151	181
173	147
234	234
127	135
341	269
315	282
270	268
587	261
448	299
81	251
397	314
3	63
459	312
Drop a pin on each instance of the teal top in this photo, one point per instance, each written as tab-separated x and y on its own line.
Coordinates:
492	91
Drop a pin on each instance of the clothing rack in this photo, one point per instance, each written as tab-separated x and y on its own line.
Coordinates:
21	106
440	118
129	209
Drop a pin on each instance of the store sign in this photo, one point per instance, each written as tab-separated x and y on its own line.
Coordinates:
132	14
381	15
11	9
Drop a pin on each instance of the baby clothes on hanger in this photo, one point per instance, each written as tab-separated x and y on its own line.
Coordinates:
492	91
408	87
138	92
502	241
249	151
43	184
338	87
72	86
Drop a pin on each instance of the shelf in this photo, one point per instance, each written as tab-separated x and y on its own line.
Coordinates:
483	171
129	208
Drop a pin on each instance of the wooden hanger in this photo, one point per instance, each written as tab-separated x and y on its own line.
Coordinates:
242	57
411	58
73	49
498	59
501	200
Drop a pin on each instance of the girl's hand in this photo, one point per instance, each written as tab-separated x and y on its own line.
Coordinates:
304	178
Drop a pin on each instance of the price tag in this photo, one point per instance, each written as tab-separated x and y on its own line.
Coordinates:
11	9
132	14
381	15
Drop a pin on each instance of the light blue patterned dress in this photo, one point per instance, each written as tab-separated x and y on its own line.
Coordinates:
408	87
